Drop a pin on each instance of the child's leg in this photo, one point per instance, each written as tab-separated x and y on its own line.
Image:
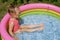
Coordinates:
31	26
29	30
32	30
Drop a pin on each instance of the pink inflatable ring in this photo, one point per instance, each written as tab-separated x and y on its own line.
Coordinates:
3	23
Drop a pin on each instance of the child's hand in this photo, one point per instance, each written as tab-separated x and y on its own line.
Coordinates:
18	31
15	38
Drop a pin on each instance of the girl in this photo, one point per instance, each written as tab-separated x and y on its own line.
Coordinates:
14	26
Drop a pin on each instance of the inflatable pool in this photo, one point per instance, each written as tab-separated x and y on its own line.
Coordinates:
35	14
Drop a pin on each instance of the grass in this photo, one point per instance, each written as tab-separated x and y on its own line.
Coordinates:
0	37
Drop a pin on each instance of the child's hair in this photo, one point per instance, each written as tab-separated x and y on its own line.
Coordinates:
11	9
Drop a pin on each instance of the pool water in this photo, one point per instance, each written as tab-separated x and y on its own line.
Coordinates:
51	28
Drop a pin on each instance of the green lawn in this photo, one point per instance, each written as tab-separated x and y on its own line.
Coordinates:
0	38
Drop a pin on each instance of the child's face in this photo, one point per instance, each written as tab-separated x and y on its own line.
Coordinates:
17	13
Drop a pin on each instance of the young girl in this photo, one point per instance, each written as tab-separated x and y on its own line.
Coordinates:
14	26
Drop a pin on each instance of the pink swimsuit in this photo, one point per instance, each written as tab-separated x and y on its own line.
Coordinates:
16	24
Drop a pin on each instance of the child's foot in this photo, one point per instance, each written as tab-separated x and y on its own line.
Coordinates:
42	25
40	28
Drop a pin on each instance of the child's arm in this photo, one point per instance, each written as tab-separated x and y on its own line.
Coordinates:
31	26
11	25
